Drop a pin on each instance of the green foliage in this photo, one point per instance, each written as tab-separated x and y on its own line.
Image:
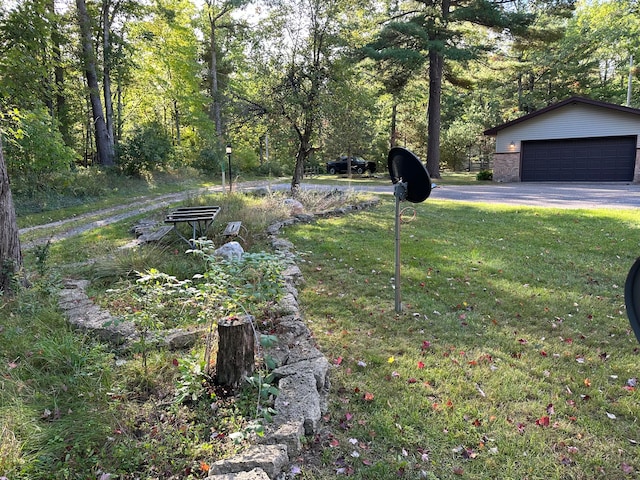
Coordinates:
35	150
485	175
273	169
260	388
192	383
255	279
211	159
148	147
456	142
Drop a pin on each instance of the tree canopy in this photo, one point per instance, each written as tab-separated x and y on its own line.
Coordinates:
294	82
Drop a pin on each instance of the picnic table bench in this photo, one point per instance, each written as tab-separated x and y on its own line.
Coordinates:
233	230
198	218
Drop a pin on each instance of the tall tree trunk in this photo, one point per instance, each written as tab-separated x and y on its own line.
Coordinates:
304	149
214	111
176	119
106	75
393	140
433	113
104	146
10	254
61	112
298	172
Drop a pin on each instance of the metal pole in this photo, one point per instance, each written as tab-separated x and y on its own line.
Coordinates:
400	192
397	279
230	177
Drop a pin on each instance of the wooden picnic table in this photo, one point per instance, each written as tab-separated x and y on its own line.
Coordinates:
199	218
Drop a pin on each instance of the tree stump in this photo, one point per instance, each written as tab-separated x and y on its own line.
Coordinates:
236	350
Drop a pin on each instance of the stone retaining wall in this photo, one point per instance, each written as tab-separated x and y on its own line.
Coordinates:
302	370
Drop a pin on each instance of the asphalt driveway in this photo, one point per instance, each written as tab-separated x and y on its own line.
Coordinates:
559	195
552	194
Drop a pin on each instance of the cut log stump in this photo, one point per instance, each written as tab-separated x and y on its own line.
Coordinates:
236	351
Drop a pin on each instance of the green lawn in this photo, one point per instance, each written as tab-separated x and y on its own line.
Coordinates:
382	178
513	357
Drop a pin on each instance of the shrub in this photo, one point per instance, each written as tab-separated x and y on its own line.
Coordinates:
209	159
148	147
35	150
484	175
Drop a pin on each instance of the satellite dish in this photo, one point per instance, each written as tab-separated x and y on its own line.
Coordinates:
632	297
412	183
405	167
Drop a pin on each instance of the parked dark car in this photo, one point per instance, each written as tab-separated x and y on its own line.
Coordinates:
358	165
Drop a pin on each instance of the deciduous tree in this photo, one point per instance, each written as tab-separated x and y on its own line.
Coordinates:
10	253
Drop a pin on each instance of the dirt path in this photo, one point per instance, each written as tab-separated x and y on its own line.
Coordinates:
106	216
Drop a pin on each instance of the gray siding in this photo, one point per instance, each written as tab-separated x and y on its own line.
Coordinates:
570	121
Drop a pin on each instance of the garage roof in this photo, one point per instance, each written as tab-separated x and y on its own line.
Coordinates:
572	100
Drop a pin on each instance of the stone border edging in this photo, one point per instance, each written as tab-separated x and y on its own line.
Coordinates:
302	373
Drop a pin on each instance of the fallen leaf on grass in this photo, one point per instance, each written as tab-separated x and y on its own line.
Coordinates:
543	421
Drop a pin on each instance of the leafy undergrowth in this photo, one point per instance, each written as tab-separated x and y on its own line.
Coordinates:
72	407
513	356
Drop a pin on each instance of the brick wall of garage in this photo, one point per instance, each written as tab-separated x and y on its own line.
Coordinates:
506	167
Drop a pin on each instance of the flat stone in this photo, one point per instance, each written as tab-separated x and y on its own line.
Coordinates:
255	474
178	339
301	351
288	304
318	367
293	272
293	328
269	458
289	434
298	400
305	217
274	228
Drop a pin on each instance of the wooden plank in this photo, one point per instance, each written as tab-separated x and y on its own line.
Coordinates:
158	234
233	229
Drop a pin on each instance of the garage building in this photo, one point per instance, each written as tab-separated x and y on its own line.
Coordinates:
576	140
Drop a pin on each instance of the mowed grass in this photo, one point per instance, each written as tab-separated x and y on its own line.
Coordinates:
513	357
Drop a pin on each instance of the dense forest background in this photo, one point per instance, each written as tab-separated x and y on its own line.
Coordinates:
137	85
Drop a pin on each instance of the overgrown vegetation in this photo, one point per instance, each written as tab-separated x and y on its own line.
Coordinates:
73	407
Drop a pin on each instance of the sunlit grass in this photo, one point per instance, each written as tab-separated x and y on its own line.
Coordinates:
511	358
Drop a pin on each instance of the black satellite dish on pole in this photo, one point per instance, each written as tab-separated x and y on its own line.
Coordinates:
412	183
632	297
